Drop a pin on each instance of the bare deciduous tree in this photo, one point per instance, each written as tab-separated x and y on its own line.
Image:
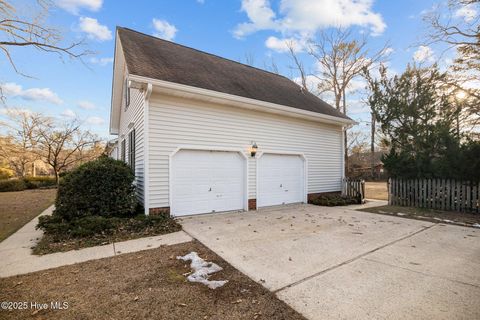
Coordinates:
31	30
62	146
16	148
298	65
341	59
462	34
271	66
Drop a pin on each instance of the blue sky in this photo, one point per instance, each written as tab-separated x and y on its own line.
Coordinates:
232	29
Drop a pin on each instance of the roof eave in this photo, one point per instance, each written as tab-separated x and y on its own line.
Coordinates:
182	90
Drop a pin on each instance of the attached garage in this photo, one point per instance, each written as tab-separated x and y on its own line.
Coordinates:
280	179
213	135
205	181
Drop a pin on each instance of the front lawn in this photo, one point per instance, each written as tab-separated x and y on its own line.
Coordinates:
19	207
97	230
144	285
457	218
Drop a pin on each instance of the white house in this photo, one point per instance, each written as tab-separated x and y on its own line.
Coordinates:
207	134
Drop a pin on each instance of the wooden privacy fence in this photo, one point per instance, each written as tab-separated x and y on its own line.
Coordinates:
440	194
354	188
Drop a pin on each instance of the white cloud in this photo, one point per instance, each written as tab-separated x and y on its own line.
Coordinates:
357	106
74	6
86	105
388	51
261	17
424	54
307	17
281	45
68	113
97	121
33	94
94	30
101	61
163	29
467	13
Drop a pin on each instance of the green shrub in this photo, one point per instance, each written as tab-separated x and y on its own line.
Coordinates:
76	228
12	185
39	182
332	200
103	187
5	173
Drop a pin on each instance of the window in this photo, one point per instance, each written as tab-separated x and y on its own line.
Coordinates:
126	93
131	150
122	150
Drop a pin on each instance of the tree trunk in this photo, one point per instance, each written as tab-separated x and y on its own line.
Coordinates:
345	140
57	176
372	148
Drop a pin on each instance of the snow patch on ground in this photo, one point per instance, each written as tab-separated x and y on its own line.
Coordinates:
444	220
202	270
476	225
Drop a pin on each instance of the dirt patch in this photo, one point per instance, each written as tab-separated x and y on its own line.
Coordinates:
123	229
19	207
143	285
376	190
437	216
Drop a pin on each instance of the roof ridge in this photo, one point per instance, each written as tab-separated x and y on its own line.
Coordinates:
208	53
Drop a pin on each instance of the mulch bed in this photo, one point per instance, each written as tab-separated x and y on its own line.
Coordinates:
125	229
144	285
437	216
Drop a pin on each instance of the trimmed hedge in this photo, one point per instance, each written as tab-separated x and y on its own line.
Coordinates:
40	182
330	200
12	185
26	183
102	187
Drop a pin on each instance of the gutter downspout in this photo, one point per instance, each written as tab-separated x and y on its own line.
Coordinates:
146	169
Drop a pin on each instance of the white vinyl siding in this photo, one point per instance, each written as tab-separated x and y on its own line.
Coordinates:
134	115
175	122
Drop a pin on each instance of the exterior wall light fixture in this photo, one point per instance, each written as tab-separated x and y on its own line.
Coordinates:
253	149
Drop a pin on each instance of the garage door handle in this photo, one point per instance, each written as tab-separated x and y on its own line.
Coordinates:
281	185
209	189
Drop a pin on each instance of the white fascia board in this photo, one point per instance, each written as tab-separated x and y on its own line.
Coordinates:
182	90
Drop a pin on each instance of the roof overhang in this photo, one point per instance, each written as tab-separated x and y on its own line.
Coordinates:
189	92
119	67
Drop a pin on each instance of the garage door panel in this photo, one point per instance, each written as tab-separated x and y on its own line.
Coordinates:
280	179
207	181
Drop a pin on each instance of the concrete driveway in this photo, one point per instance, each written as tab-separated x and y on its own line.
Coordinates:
338	263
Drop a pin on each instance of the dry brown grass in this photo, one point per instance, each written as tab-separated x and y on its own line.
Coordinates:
437	216
376	190
144	285
19	207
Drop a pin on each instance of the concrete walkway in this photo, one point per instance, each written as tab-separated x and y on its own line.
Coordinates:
16	257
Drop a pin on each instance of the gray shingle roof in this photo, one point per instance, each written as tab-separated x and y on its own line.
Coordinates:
155	58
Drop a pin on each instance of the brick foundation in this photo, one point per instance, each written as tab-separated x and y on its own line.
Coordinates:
314	195
252	204
159	211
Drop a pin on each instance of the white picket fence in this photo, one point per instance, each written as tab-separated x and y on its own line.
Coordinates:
439	194
354	188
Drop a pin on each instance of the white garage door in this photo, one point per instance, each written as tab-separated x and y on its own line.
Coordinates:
207	181
280	180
